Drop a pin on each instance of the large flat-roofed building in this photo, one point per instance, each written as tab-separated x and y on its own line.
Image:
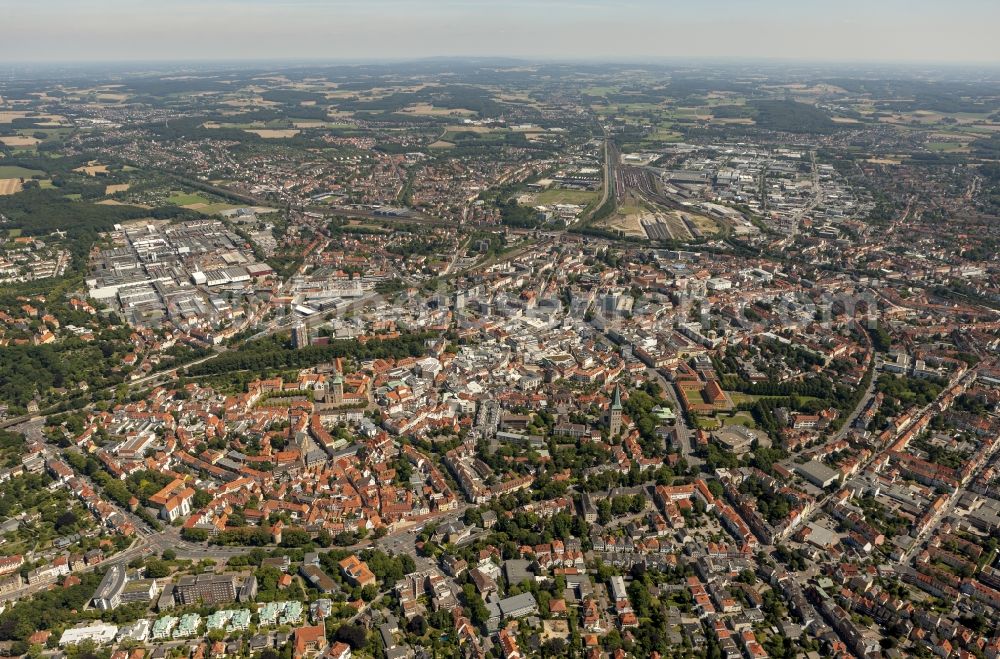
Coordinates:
817	473
139	590
518	606
99	633
212	589
738	438
109	592
118	587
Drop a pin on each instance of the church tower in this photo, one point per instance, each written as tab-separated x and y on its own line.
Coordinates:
615	413
337	389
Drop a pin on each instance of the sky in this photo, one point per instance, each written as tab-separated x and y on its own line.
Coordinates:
926	31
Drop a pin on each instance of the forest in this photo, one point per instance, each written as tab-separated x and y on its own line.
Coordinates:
272	353
792	117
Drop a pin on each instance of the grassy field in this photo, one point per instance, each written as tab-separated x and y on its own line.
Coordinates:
739	419
51	134
12	171
197	202
707	423
578	197
740	398
186	199
428	110
947	147
665	135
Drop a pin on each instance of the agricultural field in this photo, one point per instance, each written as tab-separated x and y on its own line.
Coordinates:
9	116
10	186
116	188
92	169
274	133
19	141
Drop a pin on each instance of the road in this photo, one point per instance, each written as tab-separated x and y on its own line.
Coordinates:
817	191
150	543
684	433
968	377
137	550
162	376
946	509
858	409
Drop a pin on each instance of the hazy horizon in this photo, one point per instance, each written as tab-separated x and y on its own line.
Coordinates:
890	31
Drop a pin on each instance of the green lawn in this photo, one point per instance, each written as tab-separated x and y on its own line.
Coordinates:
739	419
694	393
739	397
707	423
